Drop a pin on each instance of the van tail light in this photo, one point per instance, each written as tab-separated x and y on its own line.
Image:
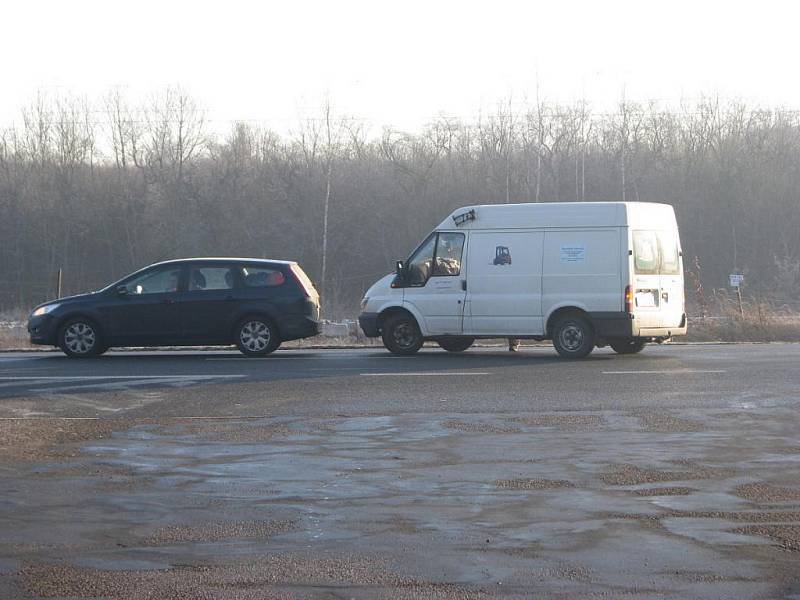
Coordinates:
628	299
302	281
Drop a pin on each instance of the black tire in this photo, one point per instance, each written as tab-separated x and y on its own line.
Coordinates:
456	344
256	336
401	335
80	338
633	346
573	337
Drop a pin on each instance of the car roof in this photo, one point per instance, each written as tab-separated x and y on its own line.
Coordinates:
225	259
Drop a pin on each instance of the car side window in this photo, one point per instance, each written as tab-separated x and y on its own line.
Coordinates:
211	278
157	281
262	277
448	255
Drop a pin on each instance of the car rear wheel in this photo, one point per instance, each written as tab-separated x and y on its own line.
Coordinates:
257	336
80	338
401	335
456	344
573	337
628	346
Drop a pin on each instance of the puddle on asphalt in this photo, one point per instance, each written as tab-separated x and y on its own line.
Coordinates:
475	484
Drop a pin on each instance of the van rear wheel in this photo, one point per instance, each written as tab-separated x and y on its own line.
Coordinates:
628	346
401	335
456	344
573	337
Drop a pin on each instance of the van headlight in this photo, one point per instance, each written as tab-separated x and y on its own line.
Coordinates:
43	310
364	302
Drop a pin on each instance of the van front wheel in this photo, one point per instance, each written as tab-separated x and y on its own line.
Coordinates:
573	337
628	346
401	335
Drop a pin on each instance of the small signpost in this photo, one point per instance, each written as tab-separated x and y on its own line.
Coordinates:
736	280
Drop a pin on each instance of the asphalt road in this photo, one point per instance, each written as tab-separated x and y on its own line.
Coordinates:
354	473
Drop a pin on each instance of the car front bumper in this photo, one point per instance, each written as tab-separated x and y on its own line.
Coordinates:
42	330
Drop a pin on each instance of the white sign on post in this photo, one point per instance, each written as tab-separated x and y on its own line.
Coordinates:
736	279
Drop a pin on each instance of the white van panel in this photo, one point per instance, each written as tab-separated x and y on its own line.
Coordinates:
583	268
504	283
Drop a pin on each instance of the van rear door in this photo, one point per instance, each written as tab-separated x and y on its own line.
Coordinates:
658	279
646	279
671	279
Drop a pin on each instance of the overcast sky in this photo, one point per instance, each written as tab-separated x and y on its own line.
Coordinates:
398	63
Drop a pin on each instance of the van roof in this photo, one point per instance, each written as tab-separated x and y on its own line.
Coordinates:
561	214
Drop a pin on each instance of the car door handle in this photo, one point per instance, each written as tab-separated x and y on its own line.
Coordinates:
169	301
229	298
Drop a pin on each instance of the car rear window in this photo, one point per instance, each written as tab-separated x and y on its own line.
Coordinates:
258	277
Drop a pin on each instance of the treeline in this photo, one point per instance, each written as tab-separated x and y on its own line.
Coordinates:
99	190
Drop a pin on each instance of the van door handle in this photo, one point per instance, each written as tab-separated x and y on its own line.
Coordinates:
665	296
464	284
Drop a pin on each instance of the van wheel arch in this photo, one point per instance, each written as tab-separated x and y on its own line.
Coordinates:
392	311
565	311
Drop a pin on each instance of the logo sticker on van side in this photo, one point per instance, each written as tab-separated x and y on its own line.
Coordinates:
502	256
574	253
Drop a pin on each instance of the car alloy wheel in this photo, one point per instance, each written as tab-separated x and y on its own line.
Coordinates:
255	336
80	338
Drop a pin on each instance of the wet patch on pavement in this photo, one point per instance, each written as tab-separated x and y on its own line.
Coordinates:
453	507
478	427
532	484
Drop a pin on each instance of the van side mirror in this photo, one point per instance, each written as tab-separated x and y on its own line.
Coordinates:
399	268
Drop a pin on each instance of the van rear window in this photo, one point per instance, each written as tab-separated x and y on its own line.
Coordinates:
645	252
656	252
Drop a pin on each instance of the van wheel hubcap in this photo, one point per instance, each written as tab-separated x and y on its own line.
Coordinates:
404	335
79	338
571	337
255	335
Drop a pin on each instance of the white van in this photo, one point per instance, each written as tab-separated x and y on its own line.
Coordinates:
582	274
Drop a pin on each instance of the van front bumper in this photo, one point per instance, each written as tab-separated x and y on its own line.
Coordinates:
369	324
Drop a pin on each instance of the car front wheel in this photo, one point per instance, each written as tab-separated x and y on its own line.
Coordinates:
257	336
80	338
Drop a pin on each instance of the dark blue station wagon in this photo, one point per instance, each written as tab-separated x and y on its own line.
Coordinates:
253	303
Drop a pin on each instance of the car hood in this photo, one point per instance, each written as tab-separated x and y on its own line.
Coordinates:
70	299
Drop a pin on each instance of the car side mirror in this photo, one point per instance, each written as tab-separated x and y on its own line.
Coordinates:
122	290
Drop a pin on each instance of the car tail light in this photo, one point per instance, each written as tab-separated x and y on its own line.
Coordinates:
628	299
303	282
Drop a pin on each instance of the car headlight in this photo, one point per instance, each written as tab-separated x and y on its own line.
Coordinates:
364	302
43	310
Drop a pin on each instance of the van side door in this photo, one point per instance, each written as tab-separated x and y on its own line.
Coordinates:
504	284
